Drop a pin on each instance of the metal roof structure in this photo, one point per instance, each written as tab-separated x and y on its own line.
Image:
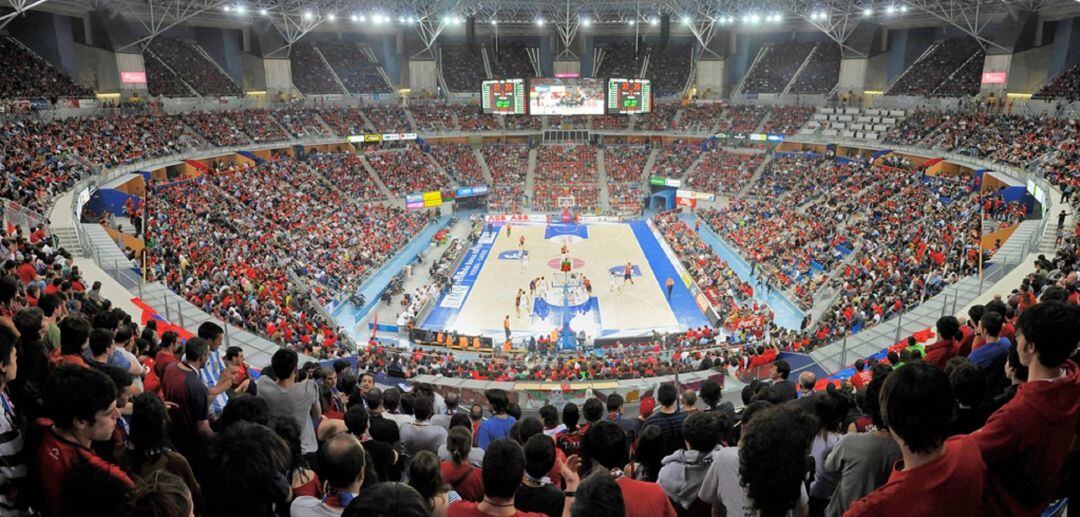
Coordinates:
430	18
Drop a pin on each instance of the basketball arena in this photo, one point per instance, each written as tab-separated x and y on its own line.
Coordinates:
486	257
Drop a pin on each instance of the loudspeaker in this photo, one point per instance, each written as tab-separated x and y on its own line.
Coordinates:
665	31
470	34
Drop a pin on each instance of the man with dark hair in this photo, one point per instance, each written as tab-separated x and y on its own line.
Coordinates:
185	389
682	472
81	408
392	407
290	399
537	492
241	380
593	411
341	467
101	348
669	419
917	407
74	338
861	462
168	352
630	426
783	386
992	355
498	426
217	376
1026	442
32	362
710	394
861	377
504	466
948	342
968	383
50	305
970	330
605	446
549	415
421	434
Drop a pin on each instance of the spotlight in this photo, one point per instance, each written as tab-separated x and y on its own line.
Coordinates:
585	22
494	21
776	18
686	20
362	18
331	17
353	18
410	20
755	18
630	23
653	21
240	9
308	15
378	18
890	10
868	12
227	8
903	8
262	12
539	22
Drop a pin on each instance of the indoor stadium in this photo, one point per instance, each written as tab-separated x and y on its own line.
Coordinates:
309	258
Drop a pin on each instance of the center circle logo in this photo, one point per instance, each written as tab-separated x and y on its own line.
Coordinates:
556	263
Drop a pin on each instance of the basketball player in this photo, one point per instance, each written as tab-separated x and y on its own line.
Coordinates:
517	304
613	281
628	274
508	231
521	242
588	285
524	260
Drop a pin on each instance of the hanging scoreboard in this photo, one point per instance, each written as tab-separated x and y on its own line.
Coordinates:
503	96
629	96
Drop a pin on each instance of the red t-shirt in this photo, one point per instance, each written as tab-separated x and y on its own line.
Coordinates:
952	484
861	379
468	509
26	273
469	485
56	456
643	499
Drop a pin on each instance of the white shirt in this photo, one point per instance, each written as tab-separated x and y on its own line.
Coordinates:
307	506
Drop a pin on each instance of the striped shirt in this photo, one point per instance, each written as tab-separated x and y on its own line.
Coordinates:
211	374
12	466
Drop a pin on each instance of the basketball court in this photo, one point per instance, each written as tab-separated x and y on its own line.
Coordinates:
494	271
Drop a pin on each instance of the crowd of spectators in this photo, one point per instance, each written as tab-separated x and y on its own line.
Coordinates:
821	73
932	72
346	172
669	69
742	119
310	74
459	161
407	171
27	75
625	165
509	166
434	117
301	122
700	117
773	71
462	67
160	81
723	171
511	61
192	66
621	60
674	159
787	119
609	122
527	122
354	66
388	118
662	117
345	121
1065	86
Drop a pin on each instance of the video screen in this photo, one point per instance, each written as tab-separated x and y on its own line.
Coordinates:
553	96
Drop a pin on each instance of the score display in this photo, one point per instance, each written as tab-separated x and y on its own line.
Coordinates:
629	96
503	96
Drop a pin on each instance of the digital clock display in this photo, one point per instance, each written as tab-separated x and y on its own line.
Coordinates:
629	96
503	96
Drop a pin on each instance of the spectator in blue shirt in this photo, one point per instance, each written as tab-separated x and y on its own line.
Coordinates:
992	355
498	426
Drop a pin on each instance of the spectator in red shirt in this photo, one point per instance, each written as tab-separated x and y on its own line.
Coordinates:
191	399
862	375
975	314
504	468
167	354
605	446
81	408
947	345
1025	443
917	406
74	338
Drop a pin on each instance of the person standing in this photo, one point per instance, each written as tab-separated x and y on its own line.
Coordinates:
628	274
670	284
290	399
214	370
190	399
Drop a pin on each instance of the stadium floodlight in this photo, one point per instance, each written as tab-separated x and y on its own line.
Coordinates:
361	18
378	18
868	12
890	10
331	17
308	15
240	9
754	18
653	21
903	8
494	21
227	8
539	22
630	22
410	20
777	18
686	20
262	12
585	22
